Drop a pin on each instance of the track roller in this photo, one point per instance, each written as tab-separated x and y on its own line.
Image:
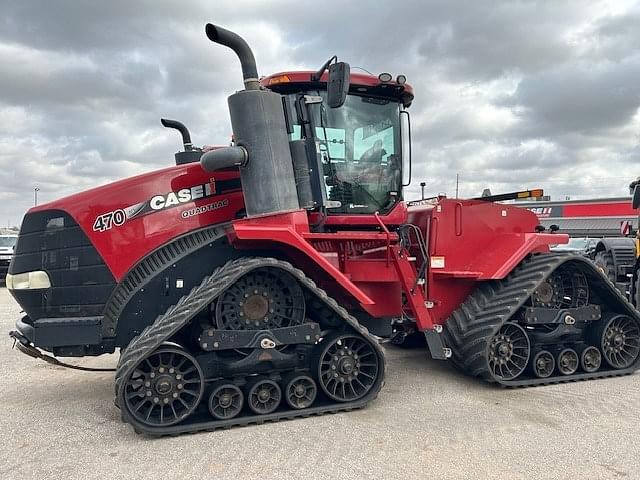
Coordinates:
590	359
543	364
568	361
300	391
225	401
263	396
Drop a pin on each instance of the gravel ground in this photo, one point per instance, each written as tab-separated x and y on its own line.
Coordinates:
428	421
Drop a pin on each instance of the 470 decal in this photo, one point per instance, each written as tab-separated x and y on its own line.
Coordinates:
106	221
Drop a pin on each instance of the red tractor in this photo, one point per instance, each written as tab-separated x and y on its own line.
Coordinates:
253	282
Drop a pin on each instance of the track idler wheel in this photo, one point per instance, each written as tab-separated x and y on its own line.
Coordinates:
509	352
300	391
264	396
347	367
225	401
620	341
590	359
164	388
568	361
543	364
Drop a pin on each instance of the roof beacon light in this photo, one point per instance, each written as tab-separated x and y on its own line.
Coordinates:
279	79
385	77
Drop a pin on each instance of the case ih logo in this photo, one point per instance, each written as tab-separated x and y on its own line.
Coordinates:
157	203
546	212
183	195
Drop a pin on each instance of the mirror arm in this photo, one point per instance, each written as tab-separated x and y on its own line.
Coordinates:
316	76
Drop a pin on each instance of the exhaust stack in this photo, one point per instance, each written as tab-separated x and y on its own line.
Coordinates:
262	145
235	42
189	155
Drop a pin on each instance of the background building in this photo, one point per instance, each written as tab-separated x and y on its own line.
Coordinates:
599	217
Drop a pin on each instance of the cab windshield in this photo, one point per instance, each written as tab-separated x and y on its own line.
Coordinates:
360	147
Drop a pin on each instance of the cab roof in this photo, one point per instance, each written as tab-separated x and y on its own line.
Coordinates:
361	83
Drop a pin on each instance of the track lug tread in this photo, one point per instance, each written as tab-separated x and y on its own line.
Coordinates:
180	314
470	328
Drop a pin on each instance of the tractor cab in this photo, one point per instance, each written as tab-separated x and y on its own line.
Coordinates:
362	145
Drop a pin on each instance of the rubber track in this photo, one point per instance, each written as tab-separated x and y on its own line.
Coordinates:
180	314
471	327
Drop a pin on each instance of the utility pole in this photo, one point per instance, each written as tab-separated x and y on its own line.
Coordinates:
35	196
422	185
457	183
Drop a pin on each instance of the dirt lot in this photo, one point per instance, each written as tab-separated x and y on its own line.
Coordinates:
428	422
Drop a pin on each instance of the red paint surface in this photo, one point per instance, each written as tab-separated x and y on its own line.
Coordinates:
478	242
356	79
613	209
360	268
122	247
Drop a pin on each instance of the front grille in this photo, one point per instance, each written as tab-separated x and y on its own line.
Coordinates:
80	281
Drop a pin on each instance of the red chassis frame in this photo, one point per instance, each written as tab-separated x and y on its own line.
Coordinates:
467	241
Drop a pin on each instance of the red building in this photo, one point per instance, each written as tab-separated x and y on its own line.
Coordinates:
599	217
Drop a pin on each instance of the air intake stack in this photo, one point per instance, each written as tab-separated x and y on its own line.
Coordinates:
259	128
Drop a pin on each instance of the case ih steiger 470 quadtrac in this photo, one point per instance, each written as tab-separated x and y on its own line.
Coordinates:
246	284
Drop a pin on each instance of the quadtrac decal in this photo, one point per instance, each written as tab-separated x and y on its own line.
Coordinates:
116	218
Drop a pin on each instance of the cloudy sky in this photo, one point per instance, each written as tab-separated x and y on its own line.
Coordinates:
509	94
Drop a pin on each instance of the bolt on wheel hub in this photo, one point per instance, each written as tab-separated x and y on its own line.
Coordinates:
164	385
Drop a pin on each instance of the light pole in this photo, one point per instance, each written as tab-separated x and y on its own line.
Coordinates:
35	196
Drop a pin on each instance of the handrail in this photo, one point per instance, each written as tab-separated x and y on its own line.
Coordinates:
386	230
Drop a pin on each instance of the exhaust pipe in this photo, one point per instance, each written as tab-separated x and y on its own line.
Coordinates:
186	137
236	43
261	150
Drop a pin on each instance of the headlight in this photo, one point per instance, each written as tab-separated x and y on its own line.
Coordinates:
28	281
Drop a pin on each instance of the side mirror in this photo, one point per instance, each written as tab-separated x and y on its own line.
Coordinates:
636	197
338	84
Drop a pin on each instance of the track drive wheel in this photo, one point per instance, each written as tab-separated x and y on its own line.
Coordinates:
620	341
263	298
347	367
509	351
164	388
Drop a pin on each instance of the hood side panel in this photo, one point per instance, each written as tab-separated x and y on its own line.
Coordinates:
128	219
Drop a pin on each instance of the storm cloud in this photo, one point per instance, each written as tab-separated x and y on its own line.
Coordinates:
508	95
